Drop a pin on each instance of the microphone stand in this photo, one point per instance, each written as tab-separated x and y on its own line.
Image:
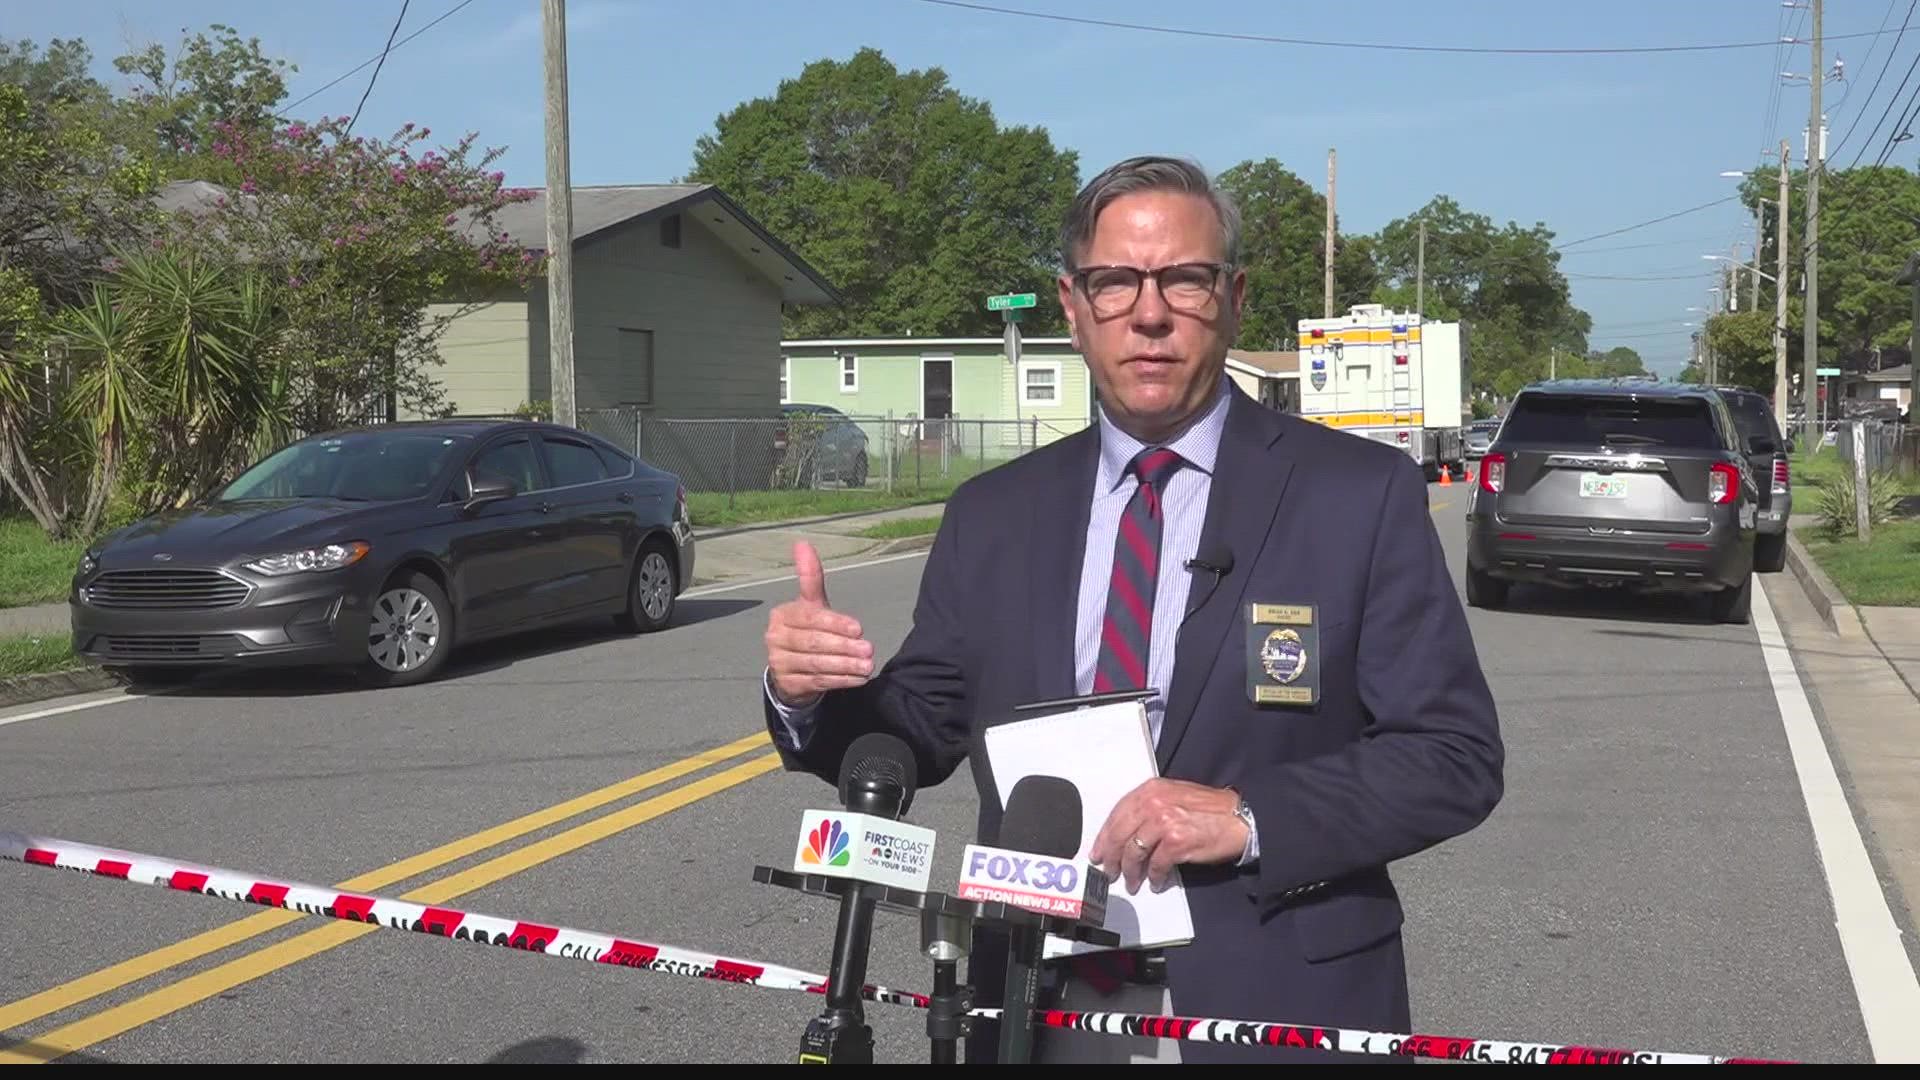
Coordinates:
840	1035
947	939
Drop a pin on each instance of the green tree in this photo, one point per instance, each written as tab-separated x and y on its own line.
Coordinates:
1283	246
159	382
908	196
1742	344
1505	281
179	104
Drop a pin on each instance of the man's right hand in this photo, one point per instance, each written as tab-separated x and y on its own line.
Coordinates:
810	648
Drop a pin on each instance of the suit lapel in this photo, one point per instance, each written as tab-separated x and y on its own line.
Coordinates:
1054	554
1248	481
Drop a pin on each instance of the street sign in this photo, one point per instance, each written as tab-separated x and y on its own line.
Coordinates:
1009	301
1826	371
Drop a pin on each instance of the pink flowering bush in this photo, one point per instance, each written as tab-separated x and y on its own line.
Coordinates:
368	234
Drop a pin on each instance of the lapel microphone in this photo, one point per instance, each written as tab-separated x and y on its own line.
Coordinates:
1216	559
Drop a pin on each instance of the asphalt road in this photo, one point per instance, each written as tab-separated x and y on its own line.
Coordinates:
1650	880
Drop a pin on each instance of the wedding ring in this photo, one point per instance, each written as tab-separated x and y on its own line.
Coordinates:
1137	842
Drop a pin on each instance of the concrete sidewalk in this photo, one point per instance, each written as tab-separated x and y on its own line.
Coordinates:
1868	708
722	555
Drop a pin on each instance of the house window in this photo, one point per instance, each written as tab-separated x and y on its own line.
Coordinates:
670	231
786	390
1040	384
849	373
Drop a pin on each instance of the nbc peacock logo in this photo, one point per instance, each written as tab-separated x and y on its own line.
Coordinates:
827	844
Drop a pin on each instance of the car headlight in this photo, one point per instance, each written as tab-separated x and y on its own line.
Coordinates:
315	560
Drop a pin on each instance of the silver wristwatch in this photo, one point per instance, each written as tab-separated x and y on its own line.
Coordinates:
1245	813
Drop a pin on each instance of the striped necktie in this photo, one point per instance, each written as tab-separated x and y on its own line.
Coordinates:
1126	635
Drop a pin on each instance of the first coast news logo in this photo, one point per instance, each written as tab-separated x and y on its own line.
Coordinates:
826	845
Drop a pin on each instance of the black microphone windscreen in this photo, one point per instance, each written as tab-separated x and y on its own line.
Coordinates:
878	766
1043	817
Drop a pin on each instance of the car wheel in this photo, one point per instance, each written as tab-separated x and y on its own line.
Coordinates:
651	592
1484	590
1734	605
1770	553
409	632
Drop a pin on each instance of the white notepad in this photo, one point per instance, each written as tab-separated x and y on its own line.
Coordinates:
1105	751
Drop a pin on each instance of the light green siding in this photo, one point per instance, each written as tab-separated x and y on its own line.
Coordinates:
484	355
888	377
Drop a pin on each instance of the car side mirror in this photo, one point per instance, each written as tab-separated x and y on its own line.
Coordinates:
490	489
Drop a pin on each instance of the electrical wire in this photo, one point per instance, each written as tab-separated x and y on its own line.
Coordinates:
375	77
1644	224
372	60
1386	47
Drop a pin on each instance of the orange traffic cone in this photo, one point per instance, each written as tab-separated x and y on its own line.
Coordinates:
1469	474
1446	476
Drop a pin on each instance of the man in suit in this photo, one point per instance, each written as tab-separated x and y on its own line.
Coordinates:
1139	554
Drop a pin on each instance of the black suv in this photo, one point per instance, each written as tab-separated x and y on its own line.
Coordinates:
1767	451
1616	484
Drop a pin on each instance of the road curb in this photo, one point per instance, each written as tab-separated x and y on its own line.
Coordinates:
905	543
27	689
1834	608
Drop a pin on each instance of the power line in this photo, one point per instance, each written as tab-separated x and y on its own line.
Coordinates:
373	59
355	118
1644	224
1386	47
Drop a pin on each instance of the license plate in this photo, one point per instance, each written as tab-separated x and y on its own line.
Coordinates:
1597	486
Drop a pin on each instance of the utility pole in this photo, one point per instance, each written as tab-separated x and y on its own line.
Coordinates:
1781	277
1816	160
1420	277
1329	287
553	21
1759	242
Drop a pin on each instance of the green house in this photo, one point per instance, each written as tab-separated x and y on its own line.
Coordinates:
964	384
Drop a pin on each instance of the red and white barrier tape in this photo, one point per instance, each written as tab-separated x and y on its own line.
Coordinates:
387	914
592	947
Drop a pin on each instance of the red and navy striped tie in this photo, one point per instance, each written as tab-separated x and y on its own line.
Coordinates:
1127	634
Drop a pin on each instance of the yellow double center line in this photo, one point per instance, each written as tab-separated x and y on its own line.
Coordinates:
173	997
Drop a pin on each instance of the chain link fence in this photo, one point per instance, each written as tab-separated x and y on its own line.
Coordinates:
1890	446
728	455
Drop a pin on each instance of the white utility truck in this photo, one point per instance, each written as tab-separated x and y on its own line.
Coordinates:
1390	377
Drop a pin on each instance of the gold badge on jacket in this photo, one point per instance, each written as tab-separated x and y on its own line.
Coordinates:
1283	662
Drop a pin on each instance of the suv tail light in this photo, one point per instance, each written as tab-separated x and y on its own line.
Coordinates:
1782	475
1723	483
1493	473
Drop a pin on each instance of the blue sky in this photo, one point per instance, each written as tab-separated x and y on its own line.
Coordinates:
1584	144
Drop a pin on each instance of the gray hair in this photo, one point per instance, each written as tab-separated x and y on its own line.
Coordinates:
1145	174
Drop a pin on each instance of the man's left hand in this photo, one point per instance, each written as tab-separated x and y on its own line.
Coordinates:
1164	823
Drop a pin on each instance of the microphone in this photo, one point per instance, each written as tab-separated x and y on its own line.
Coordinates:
1036	865
870	847
1041	825
1215	559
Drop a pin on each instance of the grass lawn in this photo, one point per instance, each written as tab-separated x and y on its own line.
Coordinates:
1883	571
33	569
33	654
902	528
916	483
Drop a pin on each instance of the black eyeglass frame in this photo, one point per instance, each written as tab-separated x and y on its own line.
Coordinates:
1142	273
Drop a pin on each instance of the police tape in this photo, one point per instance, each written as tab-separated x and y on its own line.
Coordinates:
597	948
387	914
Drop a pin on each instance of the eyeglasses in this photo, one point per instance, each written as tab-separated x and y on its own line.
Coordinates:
1113	290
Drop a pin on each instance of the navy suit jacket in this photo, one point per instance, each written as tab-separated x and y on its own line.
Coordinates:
1402	750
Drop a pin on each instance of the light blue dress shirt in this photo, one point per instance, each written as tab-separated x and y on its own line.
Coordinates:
1183	514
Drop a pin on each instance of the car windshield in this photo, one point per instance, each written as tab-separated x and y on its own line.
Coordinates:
1607	420
361	467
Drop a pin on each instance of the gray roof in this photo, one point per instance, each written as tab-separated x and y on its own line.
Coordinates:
597	209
